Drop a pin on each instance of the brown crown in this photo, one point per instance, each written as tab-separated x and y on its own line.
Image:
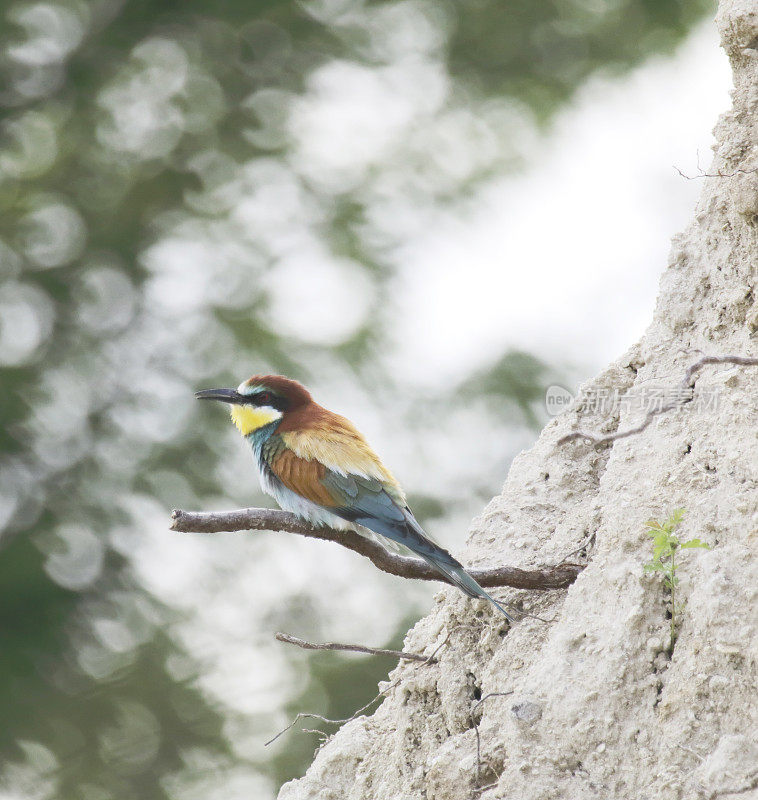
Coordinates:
295	392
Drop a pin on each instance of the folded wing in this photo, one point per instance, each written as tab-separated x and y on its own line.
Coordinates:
339	471
367	501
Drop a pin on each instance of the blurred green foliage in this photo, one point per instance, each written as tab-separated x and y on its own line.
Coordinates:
157	170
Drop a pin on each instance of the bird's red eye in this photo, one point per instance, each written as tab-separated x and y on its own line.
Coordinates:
264	398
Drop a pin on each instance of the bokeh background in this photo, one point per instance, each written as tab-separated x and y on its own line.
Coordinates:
427	211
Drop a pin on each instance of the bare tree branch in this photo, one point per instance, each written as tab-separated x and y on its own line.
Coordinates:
352	648
265	519
683	395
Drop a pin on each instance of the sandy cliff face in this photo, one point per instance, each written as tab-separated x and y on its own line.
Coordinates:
596	708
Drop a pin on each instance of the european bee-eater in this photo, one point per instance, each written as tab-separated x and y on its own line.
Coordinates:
317	465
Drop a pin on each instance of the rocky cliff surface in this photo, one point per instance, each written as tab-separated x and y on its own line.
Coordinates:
587	702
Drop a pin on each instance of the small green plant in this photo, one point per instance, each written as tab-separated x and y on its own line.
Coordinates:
665	546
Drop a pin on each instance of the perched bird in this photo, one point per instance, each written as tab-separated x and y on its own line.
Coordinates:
317	465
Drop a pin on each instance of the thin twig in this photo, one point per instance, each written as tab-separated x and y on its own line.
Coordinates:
353	648
527	615
483	789
683	395
433	657
323	735
745	361
581	547
564	560
718	174
306	715
476	730
266	519
303	715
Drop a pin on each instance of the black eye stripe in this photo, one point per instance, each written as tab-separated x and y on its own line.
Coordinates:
269	399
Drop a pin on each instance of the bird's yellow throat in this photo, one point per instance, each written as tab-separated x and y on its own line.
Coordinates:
249	419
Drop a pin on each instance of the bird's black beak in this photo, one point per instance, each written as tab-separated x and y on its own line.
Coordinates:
224	395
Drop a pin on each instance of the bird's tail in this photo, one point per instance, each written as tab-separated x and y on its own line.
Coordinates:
458	576
419	542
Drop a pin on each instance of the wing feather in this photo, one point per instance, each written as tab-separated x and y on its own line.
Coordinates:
332	465
334	442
